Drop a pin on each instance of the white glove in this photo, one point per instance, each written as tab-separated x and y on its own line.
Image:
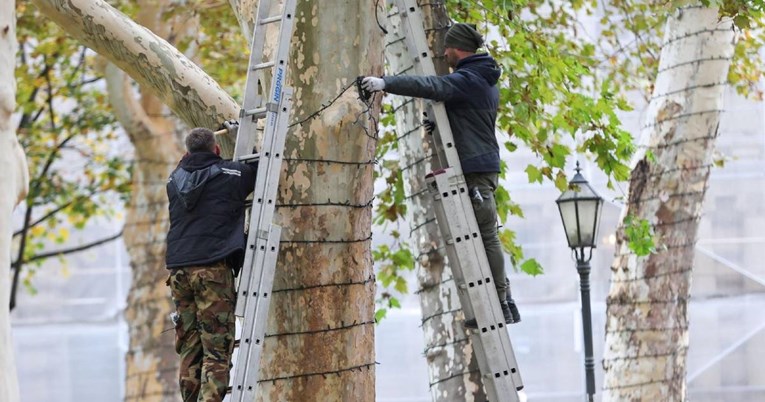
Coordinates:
373	84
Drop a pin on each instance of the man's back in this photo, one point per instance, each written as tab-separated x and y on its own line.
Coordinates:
207	199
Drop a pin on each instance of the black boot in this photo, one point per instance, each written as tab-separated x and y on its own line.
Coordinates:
506	313
516	316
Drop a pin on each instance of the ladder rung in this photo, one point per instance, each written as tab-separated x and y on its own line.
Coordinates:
248	158
263	66
258	113
269	20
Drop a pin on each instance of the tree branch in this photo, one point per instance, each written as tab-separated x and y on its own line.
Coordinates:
73	249
192	94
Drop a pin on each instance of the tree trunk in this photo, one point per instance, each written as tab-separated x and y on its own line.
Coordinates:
14	184
647	306
452	367
320	331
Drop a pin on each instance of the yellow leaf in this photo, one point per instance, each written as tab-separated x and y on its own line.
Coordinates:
37	231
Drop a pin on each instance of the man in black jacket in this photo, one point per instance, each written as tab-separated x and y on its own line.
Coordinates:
205	241
471	97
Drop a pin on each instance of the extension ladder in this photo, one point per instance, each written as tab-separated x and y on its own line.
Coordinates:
456	220
262	249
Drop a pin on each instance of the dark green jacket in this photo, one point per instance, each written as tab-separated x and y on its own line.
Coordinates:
471	98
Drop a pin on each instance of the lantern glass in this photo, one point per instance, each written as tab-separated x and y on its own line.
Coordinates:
580	208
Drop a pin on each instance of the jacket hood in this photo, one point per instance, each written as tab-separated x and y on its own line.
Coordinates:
199	160
484	65
193	173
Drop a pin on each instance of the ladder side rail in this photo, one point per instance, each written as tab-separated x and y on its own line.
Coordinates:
476	256
264	196
260	316
246	138
281	60
246	340
250	351
417	44
252	295
265	201
252	94
482	263
476	291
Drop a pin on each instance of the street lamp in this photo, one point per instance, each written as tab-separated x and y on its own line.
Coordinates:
580	207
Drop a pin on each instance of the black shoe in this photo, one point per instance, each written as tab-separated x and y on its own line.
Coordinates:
513	309
506	313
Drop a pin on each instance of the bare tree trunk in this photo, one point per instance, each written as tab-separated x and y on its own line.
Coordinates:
14	184
320	333
452	367
647	320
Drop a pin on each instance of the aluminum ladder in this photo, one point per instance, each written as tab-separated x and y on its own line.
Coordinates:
262	249
456	220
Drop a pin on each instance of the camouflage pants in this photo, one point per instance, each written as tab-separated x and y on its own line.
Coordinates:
204	299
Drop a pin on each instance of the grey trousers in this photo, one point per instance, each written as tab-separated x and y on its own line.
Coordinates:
486	216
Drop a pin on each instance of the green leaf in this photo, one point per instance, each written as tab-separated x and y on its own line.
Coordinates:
380	314
401	285
394	303
532	267
534	174
639	234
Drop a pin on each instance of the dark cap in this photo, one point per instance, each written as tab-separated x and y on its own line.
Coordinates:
464	37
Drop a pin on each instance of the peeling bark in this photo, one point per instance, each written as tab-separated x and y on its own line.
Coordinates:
14	183
155	64
647	306
322	313
324	289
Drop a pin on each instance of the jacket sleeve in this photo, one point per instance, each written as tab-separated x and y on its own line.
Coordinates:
247	181
438	88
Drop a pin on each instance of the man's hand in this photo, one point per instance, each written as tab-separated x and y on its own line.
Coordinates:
373	84
429	125
230	125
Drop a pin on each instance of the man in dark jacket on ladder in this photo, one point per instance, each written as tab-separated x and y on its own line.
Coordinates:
471	97
205	242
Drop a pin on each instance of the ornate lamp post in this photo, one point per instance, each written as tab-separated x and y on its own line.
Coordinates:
580	209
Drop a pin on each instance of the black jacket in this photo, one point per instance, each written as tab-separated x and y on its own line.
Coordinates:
471	98
207	196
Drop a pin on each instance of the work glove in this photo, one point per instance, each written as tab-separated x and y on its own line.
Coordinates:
230	125
373	84
429	125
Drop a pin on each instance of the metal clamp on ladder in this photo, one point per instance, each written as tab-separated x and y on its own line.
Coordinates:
262	247
464	247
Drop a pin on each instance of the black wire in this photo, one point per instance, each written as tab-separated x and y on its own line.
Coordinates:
324	373
377	5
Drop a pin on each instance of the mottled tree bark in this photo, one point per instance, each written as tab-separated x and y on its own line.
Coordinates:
148	58
320	332
452	367
647	306
14	184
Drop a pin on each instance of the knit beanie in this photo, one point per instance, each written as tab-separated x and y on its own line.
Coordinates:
464	37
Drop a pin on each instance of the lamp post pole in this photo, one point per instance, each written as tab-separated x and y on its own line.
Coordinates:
583	268
580	209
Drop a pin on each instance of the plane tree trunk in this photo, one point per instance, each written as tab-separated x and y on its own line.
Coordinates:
14	184
647	307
